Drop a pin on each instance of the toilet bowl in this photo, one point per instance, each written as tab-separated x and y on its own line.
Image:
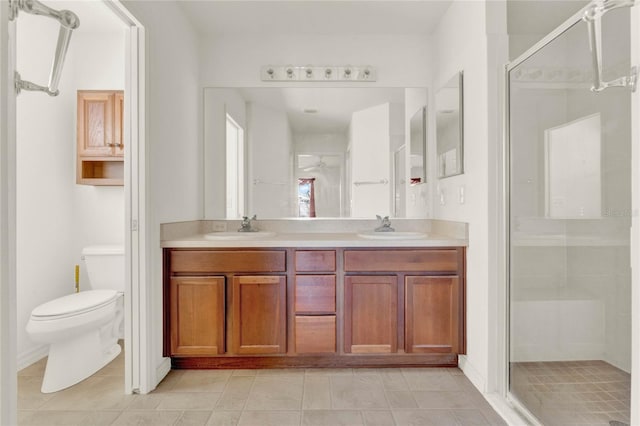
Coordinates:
83	328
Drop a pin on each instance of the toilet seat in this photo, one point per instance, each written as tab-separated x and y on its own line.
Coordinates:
74	304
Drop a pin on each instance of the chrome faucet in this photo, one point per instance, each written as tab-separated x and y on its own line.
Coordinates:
385	224
245	226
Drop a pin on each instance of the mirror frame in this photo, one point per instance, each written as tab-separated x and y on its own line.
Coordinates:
459	79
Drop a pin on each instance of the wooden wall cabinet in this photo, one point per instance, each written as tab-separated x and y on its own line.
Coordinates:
100	137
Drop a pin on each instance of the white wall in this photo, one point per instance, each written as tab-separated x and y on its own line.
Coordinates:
56	217
462	42
270	143
174	173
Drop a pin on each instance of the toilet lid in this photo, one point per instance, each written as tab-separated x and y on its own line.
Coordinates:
75	303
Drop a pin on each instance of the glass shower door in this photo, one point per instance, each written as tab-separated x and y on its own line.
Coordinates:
569	219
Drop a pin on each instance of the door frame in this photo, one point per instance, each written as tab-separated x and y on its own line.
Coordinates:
139	377
635	219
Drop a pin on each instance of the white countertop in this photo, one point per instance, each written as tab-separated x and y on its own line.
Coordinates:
313	239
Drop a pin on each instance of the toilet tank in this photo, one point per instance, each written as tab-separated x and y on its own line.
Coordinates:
105	266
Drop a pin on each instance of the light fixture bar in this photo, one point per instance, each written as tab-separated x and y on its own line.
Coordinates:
317	73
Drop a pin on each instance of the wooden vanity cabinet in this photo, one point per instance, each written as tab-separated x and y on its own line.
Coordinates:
337	307
418	309
259	306
371	314
432	314
225	302
315	302
197	315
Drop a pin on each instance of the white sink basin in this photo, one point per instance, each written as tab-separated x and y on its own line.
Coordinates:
395	235
234	235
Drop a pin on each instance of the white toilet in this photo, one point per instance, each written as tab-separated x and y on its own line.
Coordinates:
83	328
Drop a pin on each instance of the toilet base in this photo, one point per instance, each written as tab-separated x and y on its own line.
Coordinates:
73	360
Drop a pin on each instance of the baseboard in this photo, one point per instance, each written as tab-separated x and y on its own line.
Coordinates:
162	370
31	356
472	373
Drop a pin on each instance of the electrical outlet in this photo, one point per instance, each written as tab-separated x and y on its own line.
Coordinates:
219	227
461	194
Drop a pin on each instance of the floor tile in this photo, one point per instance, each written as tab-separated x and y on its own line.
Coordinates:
193	418
332	418
224	418
94	393
29	395
425	418
378	418
150	418
236	393
470	417
36	369
317	393
401	399
359	391
66	418
202	381
427	380
435	399
189	401
269	418
279	392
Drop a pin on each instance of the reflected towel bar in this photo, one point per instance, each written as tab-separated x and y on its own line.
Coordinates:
372	182
592	16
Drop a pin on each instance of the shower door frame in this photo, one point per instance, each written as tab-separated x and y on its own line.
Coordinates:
635	208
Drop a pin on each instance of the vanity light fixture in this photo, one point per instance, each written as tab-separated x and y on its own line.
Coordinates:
361	73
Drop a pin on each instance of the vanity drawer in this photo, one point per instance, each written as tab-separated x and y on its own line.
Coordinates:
315	293
401	260
211	261
315	334
315	260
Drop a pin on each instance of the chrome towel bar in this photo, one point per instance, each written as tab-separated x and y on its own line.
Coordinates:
69	21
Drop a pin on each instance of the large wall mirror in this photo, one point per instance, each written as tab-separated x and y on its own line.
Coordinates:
449	125
310	152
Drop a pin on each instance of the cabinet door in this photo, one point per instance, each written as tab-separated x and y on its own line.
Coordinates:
371	314
259	314
118	124
95	123
432	314
197	315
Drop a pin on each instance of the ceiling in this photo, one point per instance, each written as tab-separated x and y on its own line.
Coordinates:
319	17
333	106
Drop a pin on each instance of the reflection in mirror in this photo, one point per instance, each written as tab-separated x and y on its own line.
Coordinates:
418	144
572	165
449	124
307	152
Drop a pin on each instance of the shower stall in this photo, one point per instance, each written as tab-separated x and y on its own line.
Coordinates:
569	206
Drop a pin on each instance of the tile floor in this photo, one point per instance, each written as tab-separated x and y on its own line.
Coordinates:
281	397
573	392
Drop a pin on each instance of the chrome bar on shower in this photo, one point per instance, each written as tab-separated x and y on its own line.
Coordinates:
69	21
592	16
